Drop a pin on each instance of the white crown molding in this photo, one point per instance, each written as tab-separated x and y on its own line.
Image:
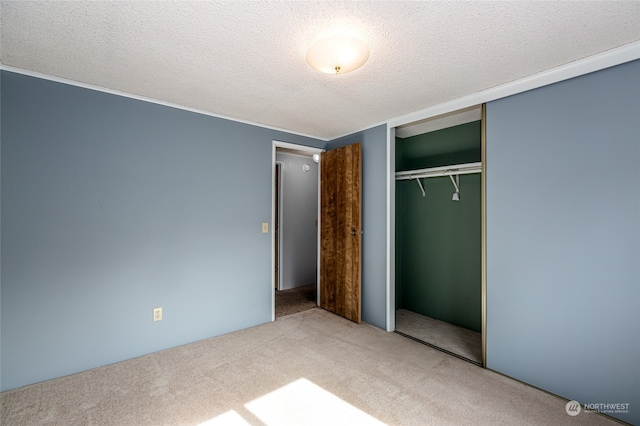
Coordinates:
145	99
626	53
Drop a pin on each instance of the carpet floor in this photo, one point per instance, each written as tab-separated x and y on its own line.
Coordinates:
309	368
295	300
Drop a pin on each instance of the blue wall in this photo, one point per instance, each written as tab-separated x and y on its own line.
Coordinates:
113	206
374	222
563	237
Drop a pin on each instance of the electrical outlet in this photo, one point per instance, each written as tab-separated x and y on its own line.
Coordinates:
265	228
157	314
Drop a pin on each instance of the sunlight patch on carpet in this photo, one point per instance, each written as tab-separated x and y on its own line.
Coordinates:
230	418
303	402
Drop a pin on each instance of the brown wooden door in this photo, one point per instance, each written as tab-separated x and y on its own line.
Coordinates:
341	231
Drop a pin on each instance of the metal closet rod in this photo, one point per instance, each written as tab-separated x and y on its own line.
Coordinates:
452	170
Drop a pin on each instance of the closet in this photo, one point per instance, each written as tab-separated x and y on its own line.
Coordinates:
439	239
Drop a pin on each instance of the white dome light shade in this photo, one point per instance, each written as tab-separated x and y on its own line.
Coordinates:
338	55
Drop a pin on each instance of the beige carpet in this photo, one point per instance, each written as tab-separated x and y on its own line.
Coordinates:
458	340
307	368
295	300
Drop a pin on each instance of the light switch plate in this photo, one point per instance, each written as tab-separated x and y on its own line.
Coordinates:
265	228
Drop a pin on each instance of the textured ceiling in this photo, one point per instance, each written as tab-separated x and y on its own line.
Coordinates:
246	59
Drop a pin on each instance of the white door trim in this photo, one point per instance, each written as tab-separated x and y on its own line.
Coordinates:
391	229
279	229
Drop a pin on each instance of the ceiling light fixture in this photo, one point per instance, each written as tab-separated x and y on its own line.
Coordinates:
338	54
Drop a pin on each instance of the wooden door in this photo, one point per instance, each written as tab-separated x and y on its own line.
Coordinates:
341	231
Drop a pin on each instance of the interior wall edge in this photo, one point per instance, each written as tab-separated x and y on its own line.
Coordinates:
391	230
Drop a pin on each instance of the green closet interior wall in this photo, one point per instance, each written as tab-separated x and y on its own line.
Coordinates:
439	241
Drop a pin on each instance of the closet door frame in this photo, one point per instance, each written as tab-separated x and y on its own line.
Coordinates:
391	231
483	230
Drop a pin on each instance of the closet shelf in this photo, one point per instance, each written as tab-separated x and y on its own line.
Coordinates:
452	170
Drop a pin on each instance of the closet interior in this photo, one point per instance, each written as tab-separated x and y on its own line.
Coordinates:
439	234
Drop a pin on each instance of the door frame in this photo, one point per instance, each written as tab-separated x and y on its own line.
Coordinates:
310	150
277	231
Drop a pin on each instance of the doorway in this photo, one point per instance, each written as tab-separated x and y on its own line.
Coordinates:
337	225
295	228
439	243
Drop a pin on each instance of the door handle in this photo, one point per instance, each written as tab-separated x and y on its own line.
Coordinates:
354	231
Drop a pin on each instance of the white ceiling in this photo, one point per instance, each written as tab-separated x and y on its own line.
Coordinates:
246	59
